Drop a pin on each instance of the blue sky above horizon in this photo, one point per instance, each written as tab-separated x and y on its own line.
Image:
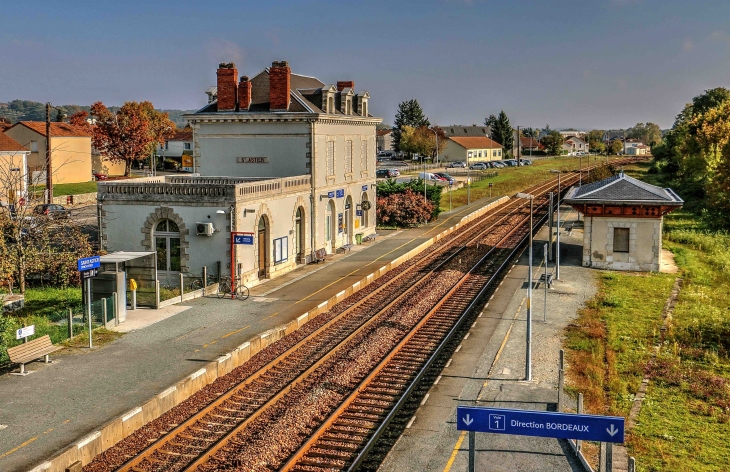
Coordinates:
585	64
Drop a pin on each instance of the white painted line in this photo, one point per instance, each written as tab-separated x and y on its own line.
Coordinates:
448	363
339	294
247	343
88	439
491	296
475	323
198	373
224	358
458	348
322	305
3	426
167	392
40	468
131	413
301	318
437	380
480	315
467	336
423	402
408	426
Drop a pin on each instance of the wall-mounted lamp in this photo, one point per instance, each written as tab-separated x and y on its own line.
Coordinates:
323	196
248	210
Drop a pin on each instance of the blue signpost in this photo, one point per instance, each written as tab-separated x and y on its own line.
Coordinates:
546	424
88	267
88	263
243	238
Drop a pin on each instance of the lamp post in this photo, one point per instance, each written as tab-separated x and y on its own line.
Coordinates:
468	179
49	167
557	247
437	144
528	333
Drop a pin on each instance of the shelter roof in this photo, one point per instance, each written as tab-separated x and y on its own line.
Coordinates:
622	189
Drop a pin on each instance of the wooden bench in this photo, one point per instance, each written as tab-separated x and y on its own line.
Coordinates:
370	237
32	350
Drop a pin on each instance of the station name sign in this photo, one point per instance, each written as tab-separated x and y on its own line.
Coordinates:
89	263
541	423
243	239
252	160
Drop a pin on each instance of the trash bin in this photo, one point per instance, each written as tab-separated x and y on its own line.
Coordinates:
358	238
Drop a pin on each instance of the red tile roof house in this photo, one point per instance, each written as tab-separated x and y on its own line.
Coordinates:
471	149
13	169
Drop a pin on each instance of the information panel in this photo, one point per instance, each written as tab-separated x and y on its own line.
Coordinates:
541	423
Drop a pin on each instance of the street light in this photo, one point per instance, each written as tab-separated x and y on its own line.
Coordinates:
528	334
557	248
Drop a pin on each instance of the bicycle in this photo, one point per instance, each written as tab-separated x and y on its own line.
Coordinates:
224	289
197	282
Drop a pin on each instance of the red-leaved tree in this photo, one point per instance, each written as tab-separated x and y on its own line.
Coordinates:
132	133
404	209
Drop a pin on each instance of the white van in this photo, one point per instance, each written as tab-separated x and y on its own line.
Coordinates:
428	176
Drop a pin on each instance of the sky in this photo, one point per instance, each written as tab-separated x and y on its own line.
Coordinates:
584	64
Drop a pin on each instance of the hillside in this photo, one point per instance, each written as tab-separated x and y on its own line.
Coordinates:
27	110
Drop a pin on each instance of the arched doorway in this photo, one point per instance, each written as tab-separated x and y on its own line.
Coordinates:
299	232
365	208
330	228
167	244
349	221
263	240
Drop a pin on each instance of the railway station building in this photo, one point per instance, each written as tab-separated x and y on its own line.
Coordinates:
284	165
622	222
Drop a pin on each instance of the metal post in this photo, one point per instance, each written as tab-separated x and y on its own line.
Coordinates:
205	280
49	167
561	391
557	245
103	310
544	311
70	323
472	448
550	228
578	442
528	357
182	282
609	457
116	312
632	464
468	181
450	185
88	309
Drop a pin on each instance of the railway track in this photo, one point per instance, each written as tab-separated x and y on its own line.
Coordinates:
226	431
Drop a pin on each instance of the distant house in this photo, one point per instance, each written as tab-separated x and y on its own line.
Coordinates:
13	169
640	150
471	149
384	139
577	145
528	144
472	131
4	124
566	133
177	152
70	151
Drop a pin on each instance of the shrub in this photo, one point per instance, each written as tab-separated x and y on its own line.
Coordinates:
404	209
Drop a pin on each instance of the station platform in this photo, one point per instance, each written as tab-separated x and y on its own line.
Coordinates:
82	390
489	367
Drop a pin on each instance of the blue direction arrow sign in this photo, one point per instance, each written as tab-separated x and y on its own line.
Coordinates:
541	423
243	239
88	263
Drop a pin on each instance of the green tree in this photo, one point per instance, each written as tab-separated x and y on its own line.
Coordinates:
502	131
553	143
648	133
718	191
595	140
616	146
410	114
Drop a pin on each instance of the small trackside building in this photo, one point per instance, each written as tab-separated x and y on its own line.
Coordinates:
623	222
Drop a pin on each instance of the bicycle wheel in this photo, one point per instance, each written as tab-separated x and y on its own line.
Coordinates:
197	284
224	288
242	292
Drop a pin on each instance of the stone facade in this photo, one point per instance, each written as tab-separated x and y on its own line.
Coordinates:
645	244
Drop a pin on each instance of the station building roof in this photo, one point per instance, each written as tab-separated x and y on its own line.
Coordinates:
622	190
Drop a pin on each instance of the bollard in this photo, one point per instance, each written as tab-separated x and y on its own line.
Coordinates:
561	362
103	310
632	464
205	280
182	290
157	294
70	323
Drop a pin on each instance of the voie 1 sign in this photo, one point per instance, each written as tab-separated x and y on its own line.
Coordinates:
544	424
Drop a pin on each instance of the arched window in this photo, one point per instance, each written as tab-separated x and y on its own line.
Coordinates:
331	105
364	108
329	223
167	245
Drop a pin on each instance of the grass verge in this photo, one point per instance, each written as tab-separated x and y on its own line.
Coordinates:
685	418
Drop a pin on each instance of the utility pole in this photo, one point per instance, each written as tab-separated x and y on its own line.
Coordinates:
49	168
518	146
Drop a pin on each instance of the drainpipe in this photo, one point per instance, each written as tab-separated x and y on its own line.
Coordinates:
312	173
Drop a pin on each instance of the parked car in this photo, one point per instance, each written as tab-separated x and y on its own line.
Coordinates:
445	177
526	162
429	177
56	212
510	163
387	173
100	176
497	164
478	166
456	164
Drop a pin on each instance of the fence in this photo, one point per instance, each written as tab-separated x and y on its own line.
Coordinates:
61	325
186	287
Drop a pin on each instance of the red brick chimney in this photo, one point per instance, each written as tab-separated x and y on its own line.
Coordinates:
347	84
279	85
244	93
227	87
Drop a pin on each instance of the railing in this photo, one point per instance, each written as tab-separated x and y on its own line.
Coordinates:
275	186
